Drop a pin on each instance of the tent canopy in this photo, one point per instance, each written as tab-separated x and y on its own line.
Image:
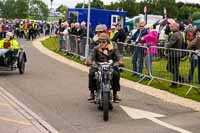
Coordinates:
196	22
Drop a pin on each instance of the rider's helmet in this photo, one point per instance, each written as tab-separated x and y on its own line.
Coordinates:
9	35
104	36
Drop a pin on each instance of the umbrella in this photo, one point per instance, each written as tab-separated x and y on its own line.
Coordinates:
164	21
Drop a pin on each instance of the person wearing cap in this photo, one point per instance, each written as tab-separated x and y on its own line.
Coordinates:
174	57
103	53
98	30
9	43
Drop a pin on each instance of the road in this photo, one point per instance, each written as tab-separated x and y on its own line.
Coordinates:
58	93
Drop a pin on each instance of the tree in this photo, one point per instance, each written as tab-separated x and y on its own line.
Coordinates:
97	4
22	7
80	5
62	9
8	9
1	8
196	15
38	10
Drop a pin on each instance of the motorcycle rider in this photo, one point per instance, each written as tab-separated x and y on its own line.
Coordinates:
103	53
9	43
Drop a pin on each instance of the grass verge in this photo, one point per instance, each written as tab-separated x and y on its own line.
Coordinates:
52	44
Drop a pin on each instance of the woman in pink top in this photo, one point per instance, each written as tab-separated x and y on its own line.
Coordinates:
150	39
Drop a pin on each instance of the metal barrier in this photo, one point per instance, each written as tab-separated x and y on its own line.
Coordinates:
172	65
75	45
134	57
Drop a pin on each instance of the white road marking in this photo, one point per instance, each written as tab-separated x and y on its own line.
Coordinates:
141	114
36	120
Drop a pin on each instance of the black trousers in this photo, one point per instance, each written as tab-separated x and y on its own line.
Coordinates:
173	67
115	80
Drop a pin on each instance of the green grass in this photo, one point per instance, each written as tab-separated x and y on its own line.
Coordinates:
52	44
159	68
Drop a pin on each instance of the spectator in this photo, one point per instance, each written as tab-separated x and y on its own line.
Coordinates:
194	44
1	30
120	35
83	31
77	29
83	35
66	36
175	41
106	30
150	39
72	29
59	32
113	31
138	52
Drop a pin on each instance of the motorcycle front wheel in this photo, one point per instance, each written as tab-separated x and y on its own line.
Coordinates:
105	106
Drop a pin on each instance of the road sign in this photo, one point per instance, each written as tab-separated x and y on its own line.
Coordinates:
145	9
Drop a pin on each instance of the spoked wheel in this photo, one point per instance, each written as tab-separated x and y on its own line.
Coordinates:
105	106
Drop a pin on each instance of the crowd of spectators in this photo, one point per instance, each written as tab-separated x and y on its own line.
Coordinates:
27	29
179	37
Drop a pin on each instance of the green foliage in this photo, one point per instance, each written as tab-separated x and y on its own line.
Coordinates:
179	10
196	15
80	5
21	8
94	4
97	4
38	10
35	9
8	9
62	9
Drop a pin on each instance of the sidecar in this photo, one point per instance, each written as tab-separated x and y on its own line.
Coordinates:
11	60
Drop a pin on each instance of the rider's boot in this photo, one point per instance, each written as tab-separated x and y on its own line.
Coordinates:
116	98
110	106
92	96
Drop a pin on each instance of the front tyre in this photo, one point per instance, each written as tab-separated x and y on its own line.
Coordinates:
105	106
21	63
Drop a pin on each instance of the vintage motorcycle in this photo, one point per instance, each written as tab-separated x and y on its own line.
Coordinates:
103	96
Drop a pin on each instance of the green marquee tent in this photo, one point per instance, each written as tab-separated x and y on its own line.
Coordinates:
196	22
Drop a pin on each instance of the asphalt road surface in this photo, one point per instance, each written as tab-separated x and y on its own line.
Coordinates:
58	93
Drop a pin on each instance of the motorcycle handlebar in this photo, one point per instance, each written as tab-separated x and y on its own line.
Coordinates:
97	64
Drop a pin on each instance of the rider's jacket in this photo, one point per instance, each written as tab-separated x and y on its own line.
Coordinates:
104	55
13	44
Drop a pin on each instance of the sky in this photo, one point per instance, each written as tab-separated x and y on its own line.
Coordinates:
72	3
